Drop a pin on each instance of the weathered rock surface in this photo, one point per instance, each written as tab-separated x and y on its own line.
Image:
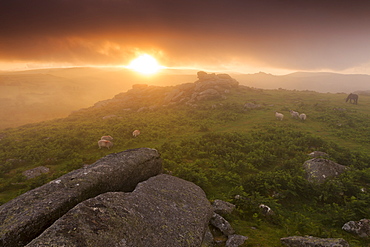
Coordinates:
26	216
309	241
222	224
360	228
235	240
318	169
35	172
162	211
222	207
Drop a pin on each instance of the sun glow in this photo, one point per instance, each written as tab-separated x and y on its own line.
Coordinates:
145	64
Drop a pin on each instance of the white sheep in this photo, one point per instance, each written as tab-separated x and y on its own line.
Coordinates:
302	116
266	210
136	133
105	144
279	116
108	138
294	114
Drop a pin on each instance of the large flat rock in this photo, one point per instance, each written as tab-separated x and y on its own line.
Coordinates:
163	211
25	217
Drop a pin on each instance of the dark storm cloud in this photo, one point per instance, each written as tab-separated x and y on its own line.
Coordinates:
290	34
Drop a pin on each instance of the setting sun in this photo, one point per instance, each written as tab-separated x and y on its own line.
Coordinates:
145	64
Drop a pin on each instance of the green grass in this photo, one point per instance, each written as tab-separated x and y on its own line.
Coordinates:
226	150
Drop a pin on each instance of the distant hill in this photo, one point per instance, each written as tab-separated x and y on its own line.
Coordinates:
43	94
322	82
37	95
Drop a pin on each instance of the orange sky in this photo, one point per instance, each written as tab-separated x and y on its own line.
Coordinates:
274	36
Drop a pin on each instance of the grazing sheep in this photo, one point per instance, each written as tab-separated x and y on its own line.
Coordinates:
108	138
294	114
136	133
105	144
266	210
279	116
302	116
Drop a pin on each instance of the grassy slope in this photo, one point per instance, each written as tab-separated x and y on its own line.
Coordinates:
67	144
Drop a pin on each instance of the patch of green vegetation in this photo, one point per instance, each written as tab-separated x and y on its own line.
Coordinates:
227	150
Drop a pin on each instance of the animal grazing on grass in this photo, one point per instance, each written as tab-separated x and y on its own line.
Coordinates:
136	133
105	144
279	116
353	98
294	114
266	210
108	138
302	116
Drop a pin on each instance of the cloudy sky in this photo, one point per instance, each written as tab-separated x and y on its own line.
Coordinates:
274	36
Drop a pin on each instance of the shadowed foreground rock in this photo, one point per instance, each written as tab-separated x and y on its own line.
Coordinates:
163	211
309	241
25	217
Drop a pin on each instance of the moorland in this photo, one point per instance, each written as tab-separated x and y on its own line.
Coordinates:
224	147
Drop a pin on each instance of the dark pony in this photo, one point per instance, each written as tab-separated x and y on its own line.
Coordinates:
352	97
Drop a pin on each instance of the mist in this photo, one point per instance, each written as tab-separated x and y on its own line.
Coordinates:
37	95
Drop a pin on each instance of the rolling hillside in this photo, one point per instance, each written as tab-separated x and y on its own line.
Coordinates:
36	95
224	137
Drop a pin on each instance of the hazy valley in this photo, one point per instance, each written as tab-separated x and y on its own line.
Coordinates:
38	95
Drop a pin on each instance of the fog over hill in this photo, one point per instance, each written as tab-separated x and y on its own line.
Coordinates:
323	82
37	95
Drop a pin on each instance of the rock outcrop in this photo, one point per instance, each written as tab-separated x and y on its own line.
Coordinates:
207	87
360	228
25	217
318	169
162	211
309	241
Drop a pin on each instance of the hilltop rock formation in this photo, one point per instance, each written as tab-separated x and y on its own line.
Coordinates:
25	217
162	211
318	169
143	97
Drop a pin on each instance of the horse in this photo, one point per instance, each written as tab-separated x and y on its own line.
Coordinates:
352	97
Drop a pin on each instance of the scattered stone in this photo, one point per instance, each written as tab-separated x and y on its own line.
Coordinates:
309	241
35	172
249	106
222	207
235	240
223	225
360	228
318	170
